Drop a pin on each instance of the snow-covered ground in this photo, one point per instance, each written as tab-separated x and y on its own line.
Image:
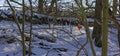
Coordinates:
66	44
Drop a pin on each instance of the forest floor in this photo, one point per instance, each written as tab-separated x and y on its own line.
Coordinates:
60	41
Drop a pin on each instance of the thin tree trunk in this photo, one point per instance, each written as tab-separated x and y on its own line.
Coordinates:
23	30
17	22
14	17
114	7
119	29
105	28
30	40
119	8
119	37
97	27
55	14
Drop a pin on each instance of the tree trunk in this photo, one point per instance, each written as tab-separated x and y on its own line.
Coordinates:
119	8
119	37
115	7
40	6
118	28
105	28
23	29
30	40
97	27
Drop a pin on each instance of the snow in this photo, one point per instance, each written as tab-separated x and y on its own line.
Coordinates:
37	16
118	20
65	38
90	20
41	47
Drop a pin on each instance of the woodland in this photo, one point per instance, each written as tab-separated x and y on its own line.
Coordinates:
59	27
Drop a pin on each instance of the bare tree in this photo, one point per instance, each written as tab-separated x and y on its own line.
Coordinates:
105	28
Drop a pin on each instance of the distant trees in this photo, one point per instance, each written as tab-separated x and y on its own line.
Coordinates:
112	14
115	10
52	6
40	6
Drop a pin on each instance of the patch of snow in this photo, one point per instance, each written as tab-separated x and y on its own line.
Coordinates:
64	40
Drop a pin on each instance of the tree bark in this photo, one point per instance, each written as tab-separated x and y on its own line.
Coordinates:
97	27
105	28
